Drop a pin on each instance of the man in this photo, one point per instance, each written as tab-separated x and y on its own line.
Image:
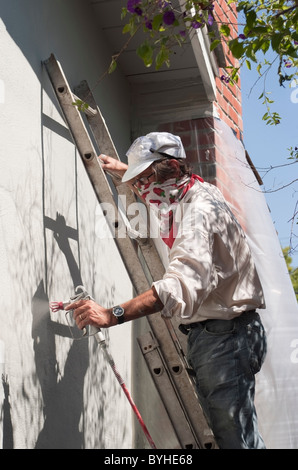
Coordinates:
211	283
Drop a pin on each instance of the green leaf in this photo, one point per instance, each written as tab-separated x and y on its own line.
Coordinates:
240	6
236	48
214	44
157	22
292	52
145	51
251	18
162	57
275	41
248	64
131	27
112	66
123	12
81	105
250	53
126	28
225	30
265	46
259	30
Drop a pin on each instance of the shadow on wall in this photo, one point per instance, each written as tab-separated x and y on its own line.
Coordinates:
63	419
65	412
7	441
62	391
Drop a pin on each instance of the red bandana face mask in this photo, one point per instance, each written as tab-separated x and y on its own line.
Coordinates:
165	197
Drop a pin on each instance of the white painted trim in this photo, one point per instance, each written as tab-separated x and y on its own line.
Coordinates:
203	58
205	61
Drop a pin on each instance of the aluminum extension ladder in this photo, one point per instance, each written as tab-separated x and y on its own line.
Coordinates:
163	345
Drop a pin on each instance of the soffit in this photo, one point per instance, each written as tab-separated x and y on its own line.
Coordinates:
108	16
187	84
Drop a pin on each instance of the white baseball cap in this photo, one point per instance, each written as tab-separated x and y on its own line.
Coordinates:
147	149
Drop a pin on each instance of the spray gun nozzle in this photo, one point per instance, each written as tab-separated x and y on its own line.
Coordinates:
56	306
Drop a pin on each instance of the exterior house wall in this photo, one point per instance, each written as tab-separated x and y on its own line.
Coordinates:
55	393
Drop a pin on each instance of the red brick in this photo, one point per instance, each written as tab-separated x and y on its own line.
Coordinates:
222	175
167	127
205	138
181	126
186	139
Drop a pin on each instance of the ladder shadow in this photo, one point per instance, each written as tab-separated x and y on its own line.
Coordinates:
62	391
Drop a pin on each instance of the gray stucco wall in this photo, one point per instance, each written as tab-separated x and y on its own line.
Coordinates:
55	393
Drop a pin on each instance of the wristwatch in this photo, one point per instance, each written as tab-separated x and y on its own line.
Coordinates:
118	312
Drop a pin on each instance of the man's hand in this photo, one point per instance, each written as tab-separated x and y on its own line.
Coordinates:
88	312
112	165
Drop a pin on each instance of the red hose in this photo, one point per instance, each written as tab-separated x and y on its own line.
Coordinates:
133	405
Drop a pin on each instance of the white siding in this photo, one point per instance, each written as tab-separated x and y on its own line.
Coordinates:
61	394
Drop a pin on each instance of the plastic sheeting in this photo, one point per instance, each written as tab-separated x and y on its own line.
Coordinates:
277	383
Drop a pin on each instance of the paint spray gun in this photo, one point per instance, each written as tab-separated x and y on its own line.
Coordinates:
82	294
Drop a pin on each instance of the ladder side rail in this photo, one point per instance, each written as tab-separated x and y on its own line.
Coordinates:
172	401
96	174
105	144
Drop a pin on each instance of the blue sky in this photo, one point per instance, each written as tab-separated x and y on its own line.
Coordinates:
267	146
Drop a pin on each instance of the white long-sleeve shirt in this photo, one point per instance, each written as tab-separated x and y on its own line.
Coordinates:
211	273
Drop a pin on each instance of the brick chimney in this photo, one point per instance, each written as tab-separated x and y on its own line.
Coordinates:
228	99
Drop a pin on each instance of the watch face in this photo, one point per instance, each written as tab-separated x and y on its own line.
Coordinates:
118	311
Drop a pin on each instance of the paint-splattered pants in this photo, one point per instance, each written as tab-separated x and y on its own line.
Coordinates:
225	356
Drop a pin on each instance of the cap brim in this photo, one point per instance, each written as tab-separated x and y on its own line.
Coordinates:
135	170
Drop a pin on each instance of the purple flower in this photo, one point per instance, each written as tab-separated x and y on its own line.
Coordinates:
148	23
138	11
242	36
287	63
182	33
196	24
163	4
131	5
225	79
210	20
169	17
